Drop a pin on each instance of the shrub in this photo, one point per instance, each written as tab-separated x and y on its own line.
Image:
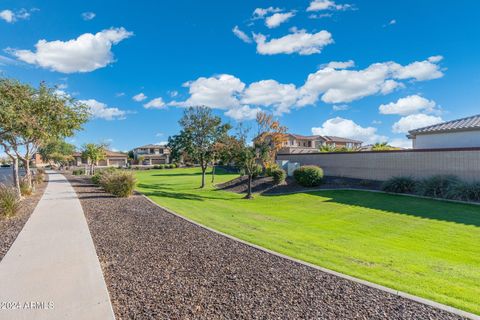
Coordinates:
278	176
97	177
464	191
9	201
40	171
437	186
308	176
39	177
119	183
78	172
25	188
174	165
269	170
400	185
257	171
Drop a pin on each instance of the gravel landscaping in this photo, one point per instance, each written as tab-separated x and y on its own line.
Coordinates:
11	227
159	266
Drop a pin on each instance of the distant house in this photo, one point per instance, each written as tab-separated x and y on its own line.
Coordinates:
296	143
152	154
112	159
460	133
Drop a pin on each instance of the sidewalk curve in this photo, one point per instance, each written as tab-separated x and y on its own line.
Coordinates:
52	270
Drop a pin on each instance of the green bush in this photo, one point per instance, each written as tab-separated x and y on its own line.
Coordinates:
174	165
278	176
99	173
400	185
78	172
464	191
25	188
118	183
9	201
269	170
437	186
308	176
257	171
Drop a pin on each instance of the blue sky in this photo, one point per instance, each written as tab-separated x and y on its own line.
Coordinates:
369	70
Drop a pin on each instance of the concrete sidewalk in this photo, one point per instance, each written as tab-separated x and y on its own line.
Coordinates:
52	270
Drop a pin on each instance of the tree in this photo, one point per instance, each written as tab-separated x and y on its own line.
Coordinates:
201	130
57	151
93	153
383	146
271	137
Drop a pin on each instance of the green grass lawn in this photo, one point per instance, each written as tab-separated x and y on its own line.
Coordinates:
424	247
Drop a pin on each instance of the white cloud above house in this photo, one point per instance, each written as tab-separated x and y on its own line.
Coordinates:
320	5
242	113
86	53
401	143
299	41
271	93
278	18
415	121
87	16
347	128
139	97
100	110
156	103
408	105
241	35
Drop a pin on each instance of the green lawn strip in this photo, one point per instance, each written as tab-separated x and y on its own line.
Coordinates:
424	247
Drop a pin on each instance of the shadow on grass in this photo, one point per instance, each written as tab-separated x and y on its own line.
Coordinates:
156	190
423	208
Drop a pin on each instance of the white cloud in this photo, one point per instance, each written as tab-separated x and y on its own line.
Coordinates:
241	35
86	53
401	143
340	64
320	16
346	128
299	41
271	93
259	13
408	105
414	121
277	19
219	92
243	113
318	5
119	94
10	17
392	22
88	16
100	110
156	103
7	61
335	85
341	107
139	97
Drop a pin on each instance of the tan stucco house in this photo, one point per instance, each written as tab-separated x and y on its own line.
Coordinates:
112	159
296	143
152	154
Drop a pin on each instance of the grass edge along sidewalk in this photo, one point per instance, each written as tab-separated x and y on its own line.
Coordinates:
177	191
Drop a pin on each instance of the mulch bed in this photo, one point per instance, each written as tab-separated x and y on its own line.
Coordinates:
265	185
159	266
11	227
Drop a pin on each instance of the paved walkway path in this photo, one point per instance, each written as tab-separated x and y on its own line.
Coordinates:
52	270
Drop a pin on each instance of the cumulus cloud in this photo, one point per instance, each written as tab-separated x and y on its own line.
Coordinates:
347	128
415	121
156	103
88	16
334	85
408	105
277	19
300	41
340	64
139	97
401	143
86	53
10	17
271	93
243	113
319	5
241	35
260	13
99	110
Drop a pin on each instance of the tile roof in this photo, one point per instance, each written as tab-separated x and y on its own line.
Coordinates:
469	123
148	146
340	139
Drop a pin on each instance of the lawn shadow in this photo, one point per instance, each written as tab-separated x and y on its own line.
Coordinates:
423	208
158	190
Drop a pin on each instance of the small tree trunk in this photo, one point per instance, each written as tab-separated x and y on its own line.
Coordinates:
28	174
213	172
249	191
16	177
204	168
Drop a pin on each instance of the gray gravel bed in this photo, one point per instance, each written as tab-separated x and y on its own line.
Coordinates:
159	266
11	227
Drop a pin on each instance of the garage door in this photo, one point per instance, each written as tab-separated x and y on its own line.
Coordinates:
158	161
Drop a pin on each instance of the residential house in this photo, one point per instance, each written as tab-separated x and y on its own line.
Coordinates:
296	143
460	133
152	154
112	159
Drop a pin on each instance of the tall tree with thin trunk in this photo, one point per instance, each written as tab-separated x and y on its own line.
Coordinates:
93	153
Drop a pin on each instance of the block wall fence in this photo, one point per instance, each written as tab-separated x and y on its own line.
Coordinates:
382	165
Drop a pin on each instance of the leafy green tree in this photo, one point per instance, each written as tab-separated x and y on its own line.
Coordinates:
383	146
57	151
94	153
201	131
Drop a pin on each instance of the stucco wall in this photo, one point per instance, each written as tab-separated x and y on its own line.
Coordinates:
448	140
383	165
